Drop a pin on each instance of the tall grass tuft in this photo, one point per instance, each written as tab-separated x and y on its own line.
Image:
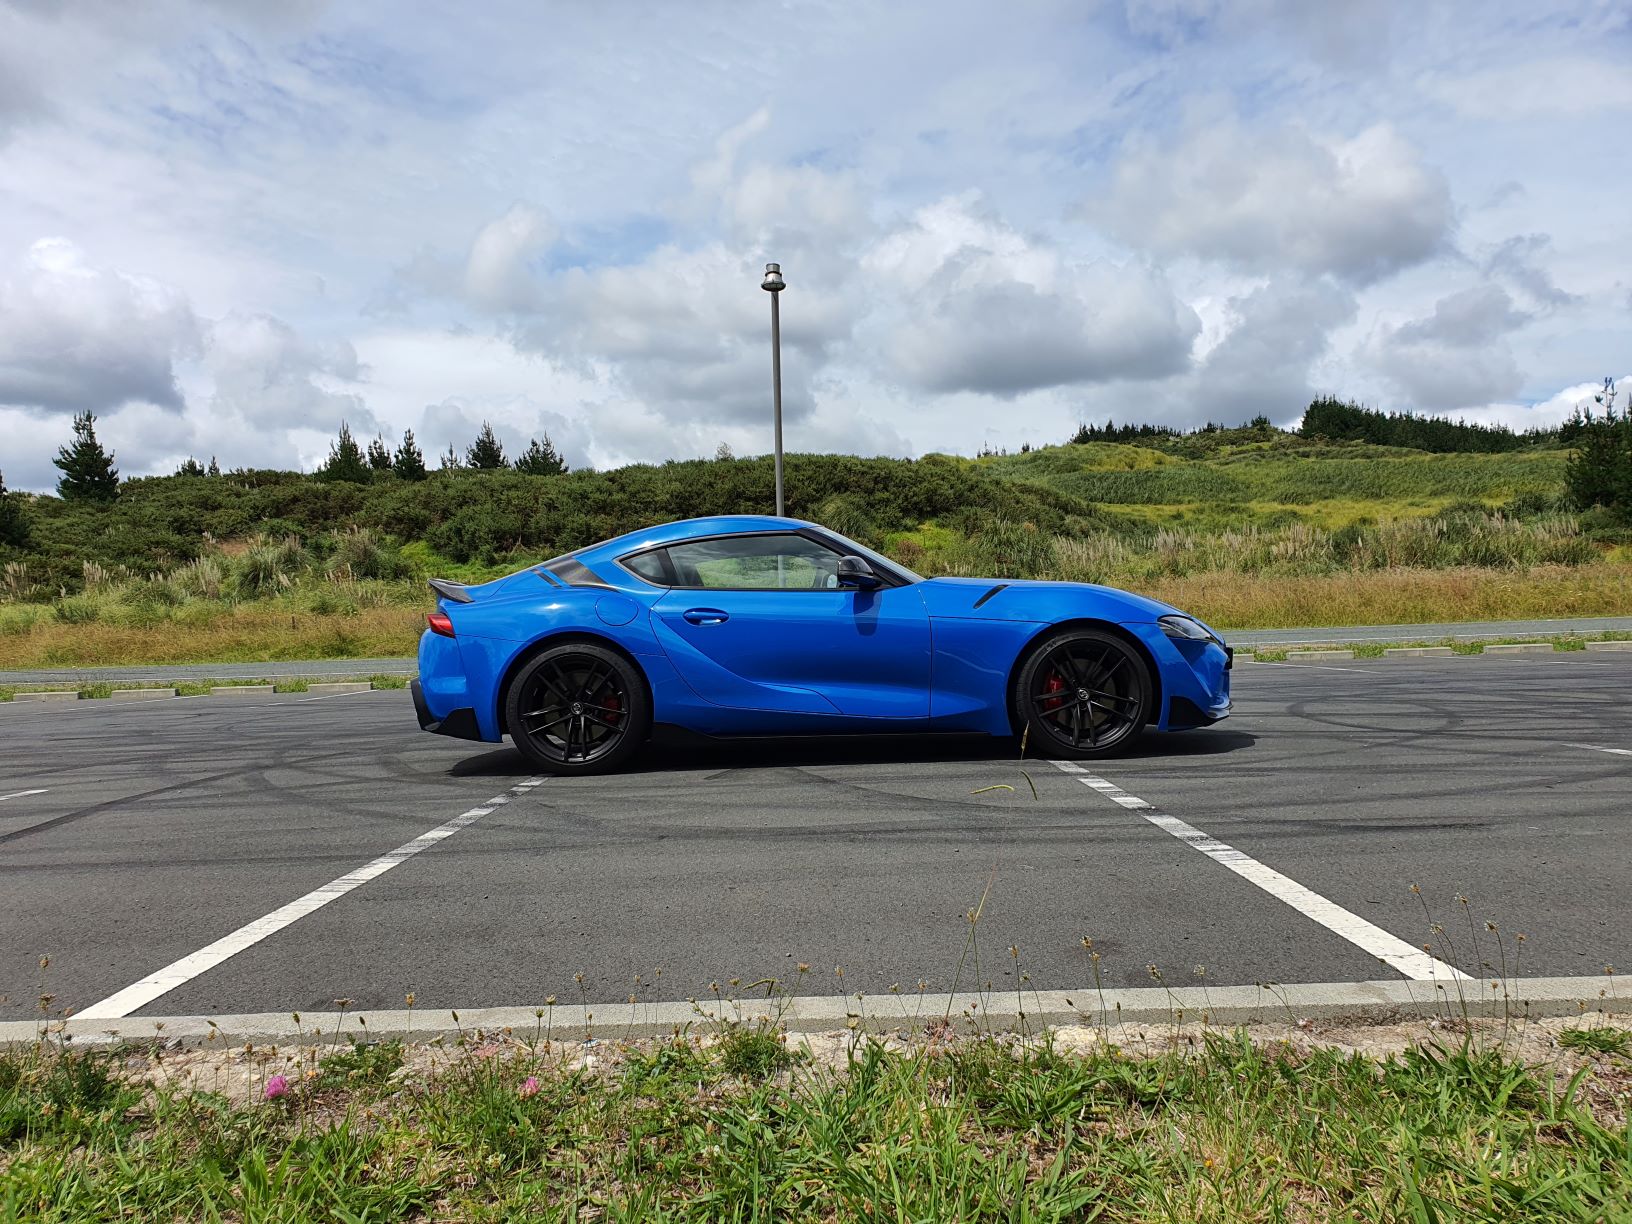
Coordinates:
269	568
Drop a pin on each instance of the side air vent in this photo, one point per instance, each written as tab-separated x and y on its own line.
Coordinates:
1002	586
575	573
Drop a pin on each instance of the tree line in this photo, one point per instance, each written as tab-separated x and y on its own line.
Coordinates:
349	462
1346	421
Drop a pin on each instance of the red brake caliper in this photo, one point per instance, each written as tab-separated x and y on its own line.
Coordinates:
612	705
1054	685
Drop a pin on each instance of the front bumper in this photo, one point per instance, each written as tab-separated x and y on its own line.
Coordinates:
460	723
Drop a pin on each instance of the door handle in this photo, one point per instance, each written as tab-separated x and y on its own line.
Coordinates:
705	616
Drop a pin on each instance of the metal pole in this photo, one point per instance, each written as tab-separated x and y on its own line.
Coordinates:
776	388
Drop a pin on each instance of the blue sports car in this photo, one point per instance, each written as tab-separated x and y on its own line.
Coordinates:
758	626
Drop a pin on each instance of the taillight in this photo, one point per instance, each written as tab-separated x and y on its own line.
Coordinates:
439	623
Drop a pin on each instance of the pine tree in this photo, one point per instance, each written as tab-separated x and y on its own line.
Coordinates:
345	460
191	468
485	454
1599	473
451	461
409	463
13	522
88	473
541	459
379	454
214	469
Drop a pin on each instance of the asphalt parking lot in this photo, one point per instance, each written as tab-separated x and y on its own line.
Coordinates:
135	839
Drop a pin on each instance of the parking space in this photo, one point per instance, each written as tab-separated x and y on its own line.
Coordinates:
138	836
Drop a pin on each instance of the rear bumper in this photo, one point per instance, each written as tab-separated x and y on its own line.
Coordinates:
459	723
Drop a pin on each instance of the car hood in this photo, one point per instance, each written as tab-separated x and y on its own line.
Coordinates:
1020	599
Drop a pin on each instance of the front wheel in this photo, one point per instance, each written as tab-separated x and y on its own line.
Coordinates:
1083	693
578	709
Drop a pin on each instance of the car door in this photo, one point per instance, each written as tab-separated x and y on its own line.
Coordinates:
759	622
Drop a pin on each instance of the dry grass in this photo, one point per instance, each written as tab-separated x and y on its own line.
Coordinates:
1399	597
244	634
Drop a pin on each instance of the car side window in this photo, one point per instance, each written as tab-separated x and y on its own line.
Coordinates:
648	565
786	562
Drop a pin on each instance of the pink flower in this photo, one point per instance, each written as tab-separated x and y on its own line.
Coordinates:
529	1086
276	1087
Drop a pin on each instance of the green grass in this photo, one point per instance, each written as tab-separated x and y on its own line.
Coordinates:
1289	472
978	1129
1603	1039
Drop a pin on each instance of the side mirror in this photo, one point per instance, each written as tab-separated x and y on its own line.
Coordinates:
855	572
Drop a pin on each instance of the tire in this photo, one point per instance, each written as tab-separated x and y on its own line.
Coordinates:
578	708
1083	693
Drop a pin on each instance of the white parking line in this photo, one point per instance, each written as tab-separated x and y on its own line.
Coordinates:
140	994
1359	671
1391	950
1601	748
19	794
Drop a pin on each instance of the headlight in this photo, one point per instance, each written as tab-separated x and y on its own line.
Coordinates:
1184	628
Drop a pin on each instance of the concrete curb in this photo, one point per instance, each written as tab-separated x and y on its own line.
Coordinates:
149	694
325	689
1392	1000
1401	652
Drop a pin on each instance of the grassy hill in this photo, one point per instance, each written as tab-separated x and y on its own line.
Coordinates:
1249	526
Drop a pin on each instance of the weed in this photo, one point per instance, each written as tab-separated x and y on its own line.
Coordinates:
364	1063
1600	1039
752	1051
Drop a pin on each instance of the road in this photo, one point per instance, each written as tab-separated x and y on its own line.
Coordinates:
133	837
340	669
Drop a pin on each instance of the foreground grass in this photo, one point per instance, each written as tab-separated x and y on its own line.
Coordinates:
251	632
975	1130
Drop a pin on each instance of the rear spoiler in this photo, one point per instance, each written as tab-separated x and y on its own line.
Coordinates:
448	589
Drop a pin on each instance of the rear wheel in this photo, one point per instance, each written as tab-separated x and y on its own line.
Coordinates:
1083	693
578	709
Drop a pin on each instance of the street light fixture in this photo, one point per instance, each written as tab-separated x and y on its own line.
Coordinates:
773	285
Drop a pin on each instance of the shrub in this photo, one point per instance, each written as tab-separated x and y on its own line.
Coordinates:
266	569
77	610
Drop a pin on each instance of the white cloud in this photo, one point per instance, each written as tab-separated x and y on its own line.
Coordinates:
989	310
499	274
75	336
1282	199
1556	87
270	378
1456	357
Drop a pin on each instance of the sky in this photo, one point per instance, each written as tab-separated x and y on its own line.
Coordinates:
226	226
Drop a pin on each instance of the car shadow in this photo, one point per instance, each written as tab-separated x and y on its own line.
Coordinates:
673	753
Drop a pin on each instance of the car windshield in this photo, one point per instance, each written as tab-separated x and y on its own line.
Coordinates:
878	561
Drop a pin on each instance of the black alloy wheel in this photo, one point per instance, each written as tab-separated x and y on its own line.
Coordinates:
577	709
1083	693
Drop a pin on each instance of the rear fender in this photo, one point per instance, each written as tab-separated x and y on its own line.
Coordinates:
520	658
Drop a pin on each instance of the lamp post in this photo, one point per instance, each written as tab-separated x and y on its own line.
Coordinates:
772	284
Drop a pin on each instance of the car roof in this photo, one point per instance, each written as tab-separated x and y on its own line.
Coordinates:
689	529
